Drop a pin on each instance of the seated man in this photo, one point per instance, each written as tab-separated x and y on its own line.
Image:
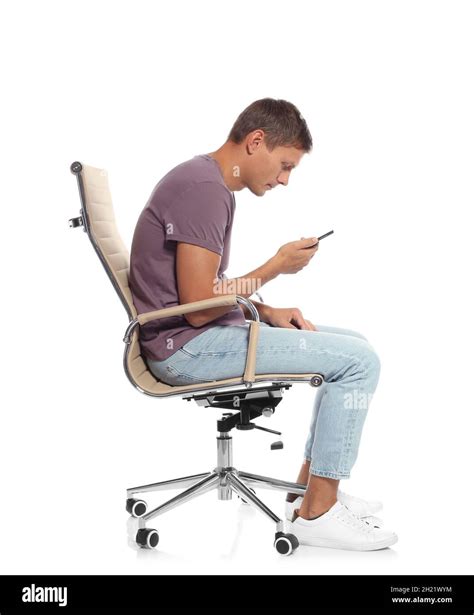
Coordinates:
179	254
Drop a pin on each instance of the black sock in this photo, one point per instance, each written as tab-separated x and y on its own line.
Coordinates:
297	511
312	518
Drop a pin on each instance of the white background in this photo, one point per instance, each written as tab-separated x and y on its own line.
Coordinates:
136	88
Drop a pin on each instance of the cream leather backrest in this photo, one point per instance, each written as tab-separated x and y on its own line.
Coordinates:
103	228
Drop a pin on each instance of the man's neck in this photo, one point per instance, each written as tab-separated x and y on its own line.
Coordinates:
228	159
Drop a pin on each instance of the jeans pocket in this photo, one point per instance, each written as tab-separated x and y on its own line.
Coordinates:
195	347
177	377
182	367
186	350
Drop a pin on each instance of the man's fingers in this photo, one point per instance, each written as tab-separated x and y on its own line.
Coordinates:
300	321
303	323
308	243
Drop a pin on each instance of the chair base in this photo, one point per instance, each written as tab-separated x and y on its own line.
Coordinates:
226	479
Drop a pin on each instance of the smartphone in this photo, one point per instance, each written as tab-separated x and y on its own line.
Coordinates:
325	235
322	237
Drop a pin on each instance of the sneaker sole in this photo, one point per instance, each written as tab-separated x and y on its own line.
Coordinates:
365	513
334	544
375	520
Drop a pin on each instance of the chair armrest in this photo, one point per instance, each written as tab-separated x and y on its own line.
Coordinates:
185	308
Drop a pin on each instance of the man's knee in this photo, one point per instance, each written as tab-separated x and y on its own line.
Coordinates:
365	359
373	363
357	334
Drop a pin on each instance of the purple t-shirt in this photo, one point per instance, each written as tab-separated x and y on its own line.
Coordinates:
192	204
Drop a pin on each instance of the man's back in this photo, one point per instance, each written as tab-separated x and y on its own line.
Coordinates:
190	204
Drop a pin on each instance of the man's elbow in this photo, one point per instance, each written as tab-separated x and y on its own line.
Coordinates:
194	319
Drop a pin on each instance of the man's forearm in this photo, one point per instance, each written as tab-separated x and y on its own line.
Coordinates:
247	285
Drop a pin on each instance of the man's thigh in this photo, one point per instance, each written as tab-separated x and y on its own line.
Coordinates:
223	353
329	329
340	331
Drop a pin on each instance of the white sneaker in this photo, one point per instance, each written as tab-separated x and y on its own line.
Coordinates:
362	508
292	506
358	505
340	528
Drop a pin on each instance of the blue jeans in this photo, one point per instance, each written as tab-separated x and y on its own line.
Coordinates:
345	358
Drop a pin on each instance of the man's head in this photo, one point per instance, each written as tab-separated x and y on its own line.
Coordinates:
271	138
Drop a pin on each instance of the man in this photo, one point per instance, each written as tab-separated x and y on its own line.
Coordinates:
180	252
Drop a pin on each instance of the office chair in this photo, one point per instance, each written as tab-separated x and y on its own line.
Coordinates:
245	397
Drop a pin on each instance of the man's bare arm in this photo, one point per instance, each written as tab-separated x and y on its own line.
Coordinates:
196	271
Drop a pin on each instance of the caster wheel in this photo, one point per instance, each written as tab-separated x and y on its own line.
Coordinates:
285	544
147	538
245	501
137	508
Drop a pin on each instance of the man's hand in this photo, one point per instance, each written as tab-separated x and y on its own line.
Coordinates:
293	256
288	318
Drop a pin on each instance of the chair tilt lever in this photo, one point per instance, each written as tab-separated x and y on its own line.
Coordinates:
242	420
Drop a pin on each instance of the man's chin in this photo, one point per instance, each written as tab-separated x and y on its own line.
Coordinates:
260	191
257	191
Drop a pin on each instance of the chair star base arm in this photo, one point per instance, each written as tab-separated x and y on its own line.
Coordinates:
227	480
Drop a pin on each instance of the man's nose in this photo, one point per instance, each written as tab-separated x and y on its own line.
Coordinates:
283	179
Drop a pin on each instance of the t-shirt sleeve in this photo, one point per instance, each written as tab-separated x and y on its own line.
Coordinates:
200	215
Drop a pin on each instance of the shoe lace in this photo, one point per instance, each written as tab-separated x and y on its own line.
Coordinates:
373	521
352	520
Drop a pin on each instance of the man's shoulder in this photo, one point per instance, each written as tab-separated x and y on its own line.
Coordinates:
199	168
200	173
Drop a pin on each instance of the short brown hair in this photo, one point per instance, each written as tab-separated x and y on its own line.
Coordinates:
280	120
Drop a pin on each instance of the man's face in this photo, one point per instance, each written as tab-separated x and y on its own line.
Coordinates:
266	169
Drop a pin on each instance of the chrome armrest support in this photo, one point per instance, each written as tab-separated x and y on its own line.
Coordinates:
185	308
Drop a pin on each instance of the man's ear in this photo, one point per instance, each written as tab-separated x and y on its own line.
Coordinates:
254	141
